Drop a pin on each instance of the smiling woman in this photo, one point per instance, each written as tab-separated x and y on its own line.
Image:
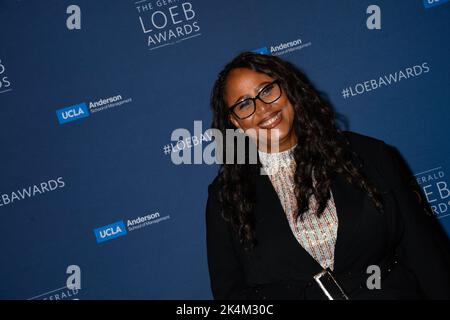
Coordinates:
339	205
269	109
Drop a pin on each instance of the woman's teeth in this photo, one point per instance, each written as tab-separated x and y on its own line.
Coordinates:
271	121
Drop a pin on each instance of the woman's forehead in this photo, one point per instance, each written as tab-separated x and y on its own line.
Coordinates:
243	81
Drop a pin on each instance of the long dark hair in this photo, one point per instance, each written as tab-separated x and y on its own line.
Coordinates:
322	149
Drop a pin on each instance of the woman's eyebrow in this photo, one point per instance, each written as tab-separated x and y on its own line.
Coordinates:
262	84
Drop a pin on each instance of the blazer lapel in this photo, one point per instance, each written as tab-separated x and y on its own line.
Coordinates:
349	202
270	210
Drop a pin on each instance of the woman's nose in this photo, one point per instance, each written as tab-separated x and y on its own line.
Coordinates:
261	107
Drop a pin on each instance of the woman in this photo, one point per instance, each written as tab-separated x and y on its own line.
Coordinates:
336	218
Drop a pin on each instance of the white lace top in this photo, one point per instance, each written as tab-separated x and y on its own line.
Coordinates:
316	235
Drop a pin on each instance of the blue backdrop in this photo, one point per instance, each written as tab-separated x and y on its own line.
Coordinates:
90	96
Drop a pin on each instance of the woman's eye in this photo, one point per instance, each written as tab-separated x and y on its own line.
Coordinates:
267	90
244	104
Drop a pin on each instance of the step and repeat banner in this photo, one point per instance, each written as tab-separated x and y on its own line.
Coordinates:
104	112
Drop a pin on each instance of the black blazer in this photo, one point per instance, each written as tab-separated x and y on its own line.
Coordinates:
279	267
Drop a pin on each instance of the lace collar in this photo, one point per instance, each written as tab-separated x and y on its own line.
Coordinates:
277	159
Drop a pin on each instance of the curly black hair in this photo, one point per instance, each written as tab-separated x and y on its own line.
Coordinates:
322	148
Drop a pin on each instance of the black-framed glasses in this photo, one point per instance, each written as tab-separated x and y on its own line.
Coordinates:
268	94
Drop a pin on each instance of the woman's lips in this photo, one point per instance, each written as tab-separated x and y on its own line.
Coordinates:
272	122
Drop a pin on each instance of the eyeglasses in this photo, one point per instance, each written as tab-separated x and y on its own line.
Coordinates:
245	108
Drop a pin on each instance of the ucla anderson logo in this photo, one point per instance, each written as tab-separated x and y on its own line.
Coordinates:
110	231
71	113
281	48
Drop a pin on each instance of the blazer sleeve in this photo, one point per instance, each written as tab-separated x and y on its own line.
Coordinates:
225	270
423	245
